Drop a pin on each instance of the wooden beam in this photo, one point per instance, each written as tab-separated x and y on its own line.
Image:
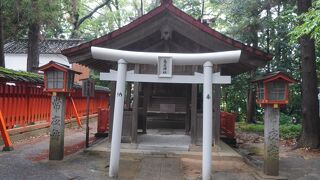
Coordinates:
85	56
216	110
147	88
155	47
144	43
194	99
128	96
178	48
198	36
188	109
112	98
136	34
185	43
135	107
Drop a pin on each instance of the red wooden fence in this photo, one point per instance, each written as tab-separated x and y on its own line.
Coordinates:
23	104
227	124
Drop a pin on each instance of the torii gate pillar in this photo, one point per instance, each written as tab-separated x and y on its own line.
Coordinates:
207	121
118	118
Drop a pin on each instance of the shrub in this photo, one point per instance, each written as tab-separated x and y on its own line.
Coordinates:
284	119
258	128
290	131
287	131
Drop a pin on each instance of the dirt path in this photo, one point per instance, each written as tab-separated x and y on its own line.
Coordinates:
301	164
29	160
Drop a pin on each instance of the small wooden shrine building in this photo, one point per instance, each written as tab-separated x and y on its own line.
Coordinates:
155	105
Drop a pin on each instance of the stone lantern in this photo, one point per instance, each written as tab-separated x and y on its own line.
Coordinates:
58	80
272	92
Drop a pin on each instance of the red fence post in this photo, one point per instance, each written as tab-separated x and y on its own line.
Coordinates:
5	135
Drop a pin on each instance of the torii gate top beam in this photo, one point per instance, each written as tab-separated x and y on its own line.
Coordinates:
133	57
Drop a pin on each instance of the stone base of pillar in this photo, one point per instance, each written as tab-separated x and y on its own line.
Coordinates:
200	178
7	148
261	175
56	147
271	141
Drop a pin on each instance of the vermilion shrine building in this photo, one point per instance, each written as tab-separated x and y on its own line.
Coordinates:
155	105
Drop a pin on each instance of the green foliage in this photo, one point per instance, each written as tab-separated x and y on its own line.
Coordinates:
284	119
310	25
265	24
191	7
294	107
287	131
234	95
20	14
290	131
96	77
257	128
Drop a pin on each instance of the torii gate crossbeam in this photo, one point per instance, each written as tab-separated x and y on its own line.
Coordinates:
170	59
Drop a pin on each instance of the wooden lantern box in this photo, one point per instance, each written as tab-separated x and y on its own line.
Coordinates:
58	77
273	89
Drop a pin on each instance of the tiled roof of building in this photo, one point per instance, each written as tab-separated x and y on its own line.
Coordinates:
8	75
166	5
50	46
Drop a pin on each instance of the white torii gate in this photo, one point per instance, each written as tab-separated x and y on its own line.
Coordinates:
165	62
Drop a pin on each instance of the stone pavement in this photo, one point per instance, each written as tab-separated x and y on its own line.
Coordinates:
159	159
29	161
164	140
157	168
299	167
153	144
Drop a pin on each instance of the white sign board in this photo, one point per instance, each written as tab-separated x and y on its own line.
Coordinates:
165	66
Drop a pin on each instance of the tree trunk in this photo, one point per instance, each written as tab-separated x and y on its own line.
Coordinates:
310	135
74	13
251	101
118	14
141	7
251	97
268	33
2	62
202	10
33	47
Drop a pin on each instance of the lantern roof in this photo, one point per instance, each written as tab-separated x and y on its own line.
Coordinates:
59	66
275	76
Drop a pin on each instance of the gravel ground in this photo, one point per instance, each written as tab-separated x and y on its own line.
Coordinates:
29	160
294	164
